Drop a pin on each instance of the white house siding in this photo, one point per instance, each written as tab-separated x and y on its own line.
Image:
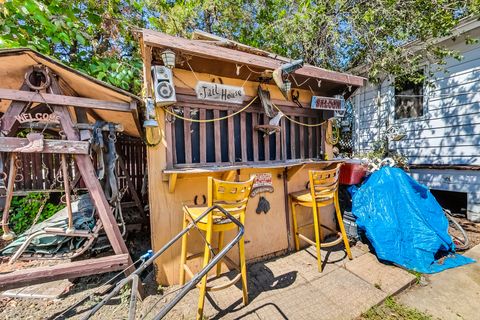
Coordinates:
447	134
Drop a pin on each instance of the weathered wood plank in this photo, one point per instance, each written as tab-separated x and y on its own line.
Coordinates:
25	277
293	139
28	96
10	144
243	130
310	137
302	138
8	123
284	138
266	140
197	48
170	148
231	138
255	136
217	137
187	135
203	137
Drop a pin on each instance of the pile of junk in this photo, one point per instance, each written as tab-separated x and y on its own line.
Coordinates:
399	218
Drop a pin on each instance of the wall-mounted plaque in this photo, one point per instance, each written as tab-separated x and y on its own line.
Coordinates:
326	103
219	92
262	183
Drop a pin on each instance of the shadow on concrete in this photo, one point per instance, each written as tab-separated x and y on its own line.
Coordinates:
260	279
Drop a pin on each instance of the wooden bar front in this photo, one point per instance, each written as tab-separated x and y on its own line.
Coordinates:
234	148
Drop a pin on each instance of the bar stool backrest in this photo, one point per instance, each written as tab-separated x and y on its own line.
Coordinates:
232	196
324	183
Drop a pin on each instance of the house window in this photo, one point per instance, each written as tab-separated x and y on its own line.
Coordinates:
409	96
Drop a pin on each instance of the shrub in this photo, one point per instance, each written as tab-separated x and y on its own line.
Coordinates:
24	209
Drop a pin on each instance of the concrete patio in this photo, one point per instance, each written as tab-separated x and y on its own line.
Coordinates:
451	294
290	287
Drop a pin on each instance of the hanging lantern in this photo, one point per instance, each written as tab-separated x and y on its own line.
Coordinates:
168	57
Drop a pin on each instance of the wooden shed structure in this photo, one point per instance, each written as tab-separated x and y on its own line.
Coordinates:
241	143
40	94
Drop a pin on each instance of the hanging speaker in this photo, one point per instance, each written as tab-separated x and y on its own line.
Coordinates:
163	86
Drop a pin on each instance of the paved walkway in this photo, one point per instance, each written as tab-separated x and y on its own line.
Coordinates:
451	294
290	287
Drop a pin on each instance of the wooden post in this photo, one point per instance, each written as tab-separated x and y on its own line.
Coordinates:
87	171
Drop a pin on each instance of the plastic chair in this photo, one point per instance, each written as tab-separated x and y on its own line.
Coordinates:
323	192
233	197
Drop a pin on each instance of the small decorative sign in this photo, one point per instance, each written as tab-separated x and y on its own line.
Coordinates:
38	117
219	92
263	183
326	103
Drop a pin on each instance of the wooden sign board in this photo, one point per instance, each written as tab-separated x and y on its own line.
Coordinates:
326	103
219	92
38	117
262	183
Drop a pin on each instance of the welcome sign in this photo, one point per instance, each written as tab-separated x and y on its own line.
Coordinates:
219	92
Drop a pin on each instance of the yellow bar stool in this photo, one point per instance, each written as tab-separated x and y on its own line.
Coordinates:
323	192
233	197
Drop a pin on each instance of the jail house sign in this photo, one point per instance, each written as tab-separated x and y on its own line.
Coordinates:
219	92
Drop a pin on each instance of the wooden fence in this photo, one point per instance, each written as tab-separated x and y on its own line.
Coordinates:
237	139
42	172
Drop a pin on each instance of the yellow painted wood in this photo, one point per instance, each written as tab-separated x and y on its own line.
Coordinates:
172	182
229	175
293	171
323	192
233	197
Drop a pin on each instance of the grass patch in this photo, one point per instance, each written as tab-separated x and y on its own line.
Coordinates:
390	309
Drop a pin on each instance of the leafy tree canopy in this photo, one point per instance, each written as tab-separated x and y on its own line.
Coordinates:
97	36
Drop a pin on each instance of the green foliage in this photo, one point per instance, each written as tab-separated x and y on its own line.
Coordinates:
391	309
98	36
93	36
24	210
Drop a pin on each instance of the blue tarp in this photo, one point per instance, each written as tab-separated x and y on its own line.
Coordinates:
404	222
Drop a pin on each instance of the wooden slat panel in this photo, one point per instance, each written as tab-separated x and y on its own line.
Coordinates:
278	145
231	138
243	130
302	138
169	129
310	138
255	136
203	137
293	139
187	135
283	134
266	140
218	142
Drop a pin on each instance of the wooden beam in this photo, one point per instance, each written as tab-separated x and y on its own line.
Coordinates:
10	144
172	182
26	277
205	50
229	175
61	100
86	169
9	123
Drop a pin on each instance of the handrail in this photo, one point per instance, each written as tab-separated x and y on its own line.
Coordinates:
135	276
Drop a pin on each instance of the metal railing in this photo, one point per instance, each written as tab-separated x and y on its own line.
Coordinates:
134	278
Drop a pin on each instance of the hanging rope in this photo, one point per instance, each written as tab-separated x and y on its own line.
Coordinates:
298	122
211	120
